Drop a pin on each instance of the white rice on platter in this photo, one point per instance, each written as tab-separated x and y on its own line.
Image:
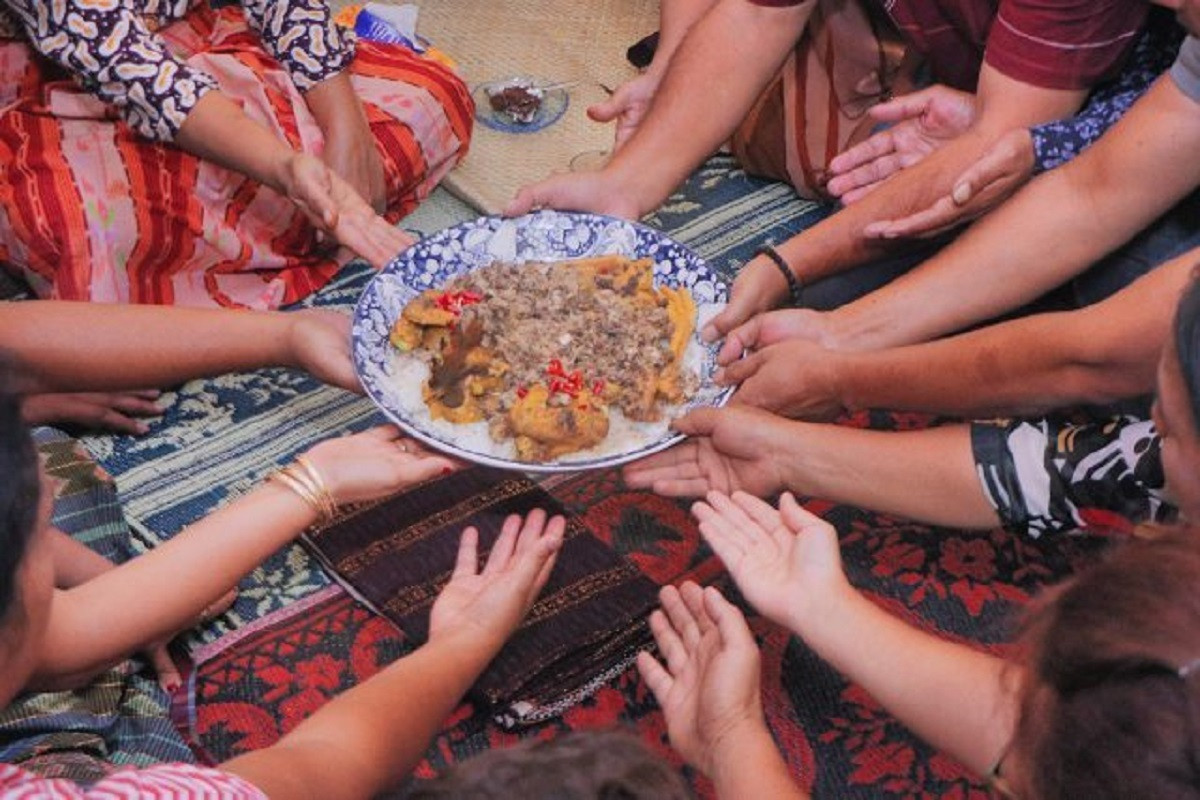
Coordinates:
409	372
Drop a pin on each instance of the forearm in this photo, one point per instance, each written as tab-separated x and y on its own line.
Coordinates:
1002	105
133	347
376	732
1051	231
333	102
708	89
876	469
75	562
165	589
958	699
1025	366
217	130
837	243
749	765
676	18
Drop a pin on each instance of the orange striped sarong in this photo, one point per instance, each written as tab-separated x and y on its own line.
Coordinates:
848	58
89	210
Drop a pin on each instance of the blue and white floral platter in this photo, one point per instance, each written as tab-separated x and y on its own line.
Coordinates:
542	236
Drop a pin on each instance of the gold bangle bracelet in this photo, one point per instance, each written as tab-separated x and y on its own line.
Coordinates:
318	485
289	479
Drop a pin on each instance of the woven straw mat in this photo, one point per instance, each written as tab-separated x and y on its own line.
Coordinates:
549	40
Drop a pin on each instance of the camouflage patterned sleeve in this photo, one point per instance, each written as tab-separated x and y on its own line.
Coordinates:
1056	475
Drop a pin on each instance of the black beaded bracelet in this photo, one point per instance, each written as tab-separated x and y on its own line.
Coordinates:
795	288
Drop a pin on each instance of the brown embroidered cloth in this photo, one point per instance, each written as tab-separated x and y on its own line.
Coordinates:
587	625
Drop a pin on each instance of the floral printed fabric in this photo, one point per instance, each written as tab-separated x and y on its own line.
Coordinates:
112	50
1056	143
1055	475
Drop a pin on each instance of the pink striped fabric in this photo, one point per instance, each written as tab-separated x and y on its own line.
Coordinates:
176	781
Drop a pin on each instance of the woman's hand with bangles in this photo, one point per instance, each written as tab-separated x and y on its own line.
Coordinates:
373	464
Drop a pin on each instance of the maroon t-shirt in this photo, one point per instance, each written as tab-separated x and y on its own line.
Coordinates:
1052	44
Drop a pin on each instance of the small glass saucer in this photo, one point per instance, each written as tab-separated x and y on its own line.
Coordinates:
553	105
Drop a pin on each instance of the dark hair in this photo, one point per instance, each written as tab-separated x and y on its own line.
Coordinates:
583	765
18	489
1187	343
1111	703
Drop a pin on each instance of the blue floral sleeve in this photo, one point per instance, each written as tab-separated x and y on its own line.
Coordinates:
302	36
1056	143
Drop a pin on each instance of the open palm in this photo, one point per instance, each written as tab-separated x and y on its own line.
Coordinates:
709	687
730	449
491	603
784	561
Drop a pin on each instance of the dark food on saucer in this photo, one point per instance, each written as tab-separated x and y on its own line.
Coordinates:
519	102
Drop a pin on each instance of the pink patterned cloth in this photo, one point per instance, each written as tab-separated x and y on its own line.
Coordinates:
176	781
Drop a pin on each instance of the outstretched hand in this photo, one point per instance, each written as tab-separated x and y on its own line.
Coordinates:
337	210
784	561
118	412
373	464
784	362
488	605
794	378
709	686
772	327
1003	169
319	340
921	121
594	191
758	287
727	449
627	106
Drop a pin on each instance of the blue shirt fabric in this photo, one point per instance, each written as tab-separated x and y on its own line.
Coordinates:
1056	143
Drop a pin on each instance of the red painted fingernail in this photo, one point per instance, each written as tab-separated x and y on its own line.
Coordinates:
446	470
171	687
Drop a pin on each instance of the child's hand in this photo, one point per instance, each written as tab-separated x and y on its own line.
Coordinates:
159	653
118	412
785	562
374	464
709	688
489	605
163	665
